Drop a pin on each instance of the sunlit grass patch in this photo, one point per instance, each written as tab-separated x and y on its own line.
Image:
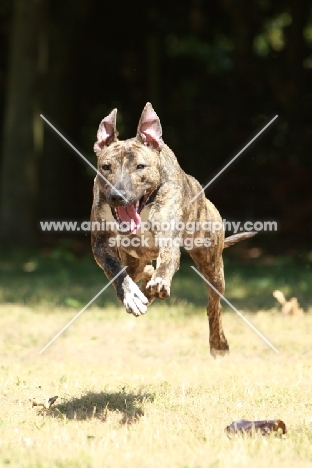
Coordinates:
145	392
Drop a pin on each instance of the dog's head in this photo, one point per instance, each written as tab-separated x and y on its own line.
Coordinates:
130	168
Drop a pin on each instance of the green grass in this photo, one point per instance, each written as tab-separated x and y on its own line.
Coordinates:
61	279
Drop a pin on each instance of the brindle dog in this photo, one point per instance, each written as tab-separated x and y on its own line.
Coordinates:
142	203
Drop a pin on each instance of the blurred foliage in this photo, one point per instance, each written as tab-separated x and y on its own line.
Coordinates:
216	72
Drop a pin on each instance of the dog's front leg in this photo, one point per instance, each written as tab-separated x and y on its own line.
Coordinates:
168	240
127	291
168	263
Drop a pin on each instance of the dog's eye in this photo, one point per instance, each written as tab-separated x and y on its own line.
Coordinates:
140	166
106	167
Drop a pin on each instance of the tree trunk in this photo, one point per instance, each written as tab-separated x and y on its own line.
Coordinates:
21	133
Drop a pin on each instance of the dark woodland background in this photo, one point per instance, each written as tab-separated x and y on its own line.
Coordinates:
215	71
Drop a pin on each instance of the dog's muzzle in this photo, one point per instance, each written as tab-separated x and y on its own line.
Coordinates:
126	213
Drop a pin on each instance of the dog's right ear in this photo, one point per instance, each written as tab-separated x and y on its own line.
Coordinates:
107	132
149	130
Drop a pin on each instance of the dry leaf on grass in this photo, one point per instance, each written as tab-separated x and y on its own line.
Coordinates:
265	427
290	307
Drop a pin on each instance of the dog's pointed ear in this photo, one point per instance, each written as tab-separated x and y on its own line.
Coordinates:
107	132
149	129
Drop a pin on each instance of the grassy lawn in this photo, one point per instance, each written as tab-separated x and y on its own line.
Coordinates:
145	392
59	279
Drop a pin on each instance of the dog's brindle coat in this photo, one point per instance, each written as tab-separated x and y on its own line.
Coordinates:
147	182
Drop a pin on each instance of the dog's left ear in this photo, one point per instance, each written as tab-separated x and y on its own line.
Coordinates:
149	129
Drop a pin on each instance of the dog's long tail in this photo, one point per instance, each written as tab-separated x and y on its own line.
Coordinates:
228	241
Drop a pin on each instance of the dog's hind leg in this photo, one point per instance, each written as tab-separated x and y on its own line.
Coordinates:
212	270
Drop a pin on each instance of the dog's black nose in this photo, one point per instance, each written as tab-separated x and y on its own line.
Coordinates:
118	196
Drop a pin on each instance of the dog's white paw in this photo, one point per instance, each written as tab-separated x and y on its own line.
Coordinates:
134	300
159	287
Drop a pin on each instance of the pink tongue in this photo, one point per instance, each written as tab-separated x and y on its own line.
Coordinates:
128	214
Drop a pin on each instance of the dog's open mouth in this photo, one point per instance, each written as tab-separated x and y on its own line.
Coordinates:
128	217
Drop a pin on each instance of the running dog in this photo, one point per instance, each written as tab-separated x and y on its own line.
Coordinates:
144	209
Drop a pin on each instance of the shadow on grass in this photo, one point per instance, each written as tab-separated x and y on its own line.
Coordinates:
98	405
